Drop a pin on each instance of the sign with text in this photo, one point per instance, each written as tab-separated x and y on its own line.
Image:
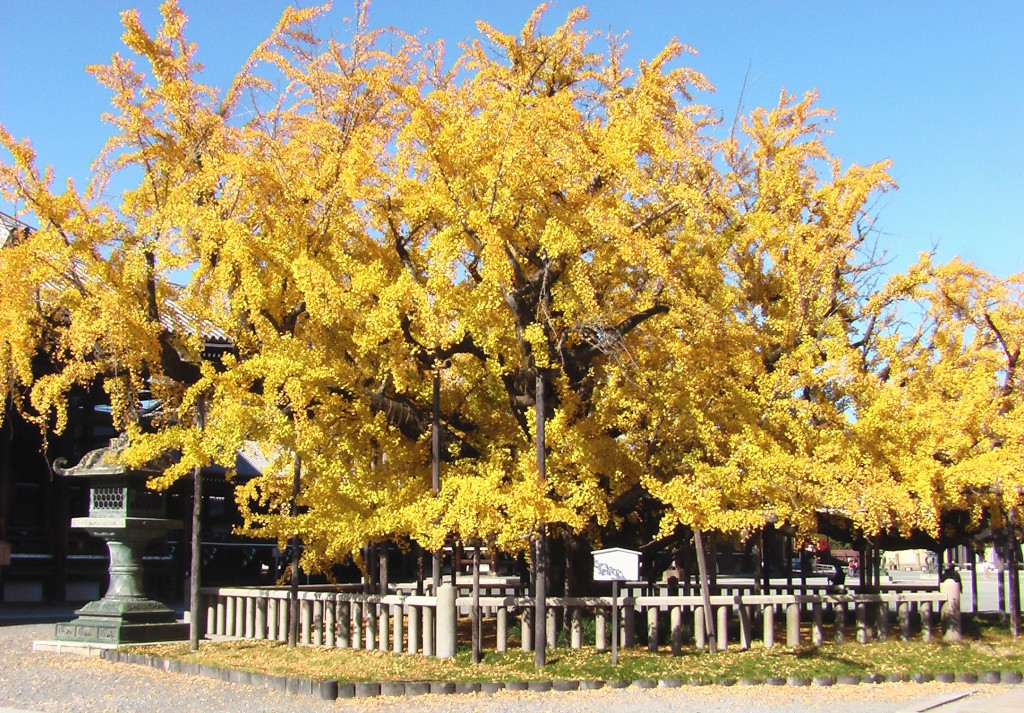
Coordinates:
616	564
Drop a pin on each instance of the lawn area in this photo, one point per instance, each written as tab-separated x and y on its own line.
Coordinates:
988	648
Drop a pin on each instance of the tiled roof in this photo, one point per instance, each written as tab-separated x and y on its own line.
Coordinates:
7	225
173	318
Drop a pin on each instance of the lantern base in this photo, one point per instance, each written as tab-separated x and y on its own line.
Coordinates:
123	621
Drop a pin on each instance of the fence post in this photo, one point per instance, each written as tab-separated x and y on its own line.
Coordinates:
817	624
951	609
839	610
903	619
792	624
600	633
318	622
447	619
344	617
652	629
370	625
551	620
768	616
305	620
746	635
926	621
722	626
240	607
700	631
283	614
428	629
383	624
261	618
676	622
862	622
229	616
330	624
576	628
526	627
502	625
356	612
413	613
882	621
211	615
250	617
628	624
397	621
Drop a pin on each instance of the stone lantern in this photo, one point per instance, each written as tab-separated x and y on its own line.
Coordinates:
126	515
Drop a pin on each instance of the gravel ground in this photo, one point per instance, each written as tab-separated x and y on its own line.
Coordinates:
32	681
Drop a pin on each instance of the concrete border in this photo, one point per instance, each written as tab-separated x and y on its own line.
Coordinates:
331	689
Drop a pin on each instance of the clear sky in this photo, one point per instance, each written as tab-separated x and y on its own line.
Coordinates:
936	86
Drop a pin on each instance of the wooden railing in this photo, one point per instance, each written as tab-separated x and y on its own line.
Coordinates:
407	623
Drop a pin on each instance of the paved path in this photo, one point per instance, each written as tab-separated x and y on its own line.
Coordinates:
40	682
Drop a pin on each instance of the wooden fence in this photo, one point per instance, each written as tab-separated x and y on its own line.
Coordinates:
407	623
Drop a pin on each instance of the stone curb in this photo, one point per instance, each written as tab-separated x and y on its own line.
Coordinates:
330	689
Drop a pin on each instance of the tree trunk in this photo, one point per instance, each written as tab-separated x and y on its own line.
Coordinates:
382	568
293	591
435	470
705	591
540	608
1014	557
197	560
476	604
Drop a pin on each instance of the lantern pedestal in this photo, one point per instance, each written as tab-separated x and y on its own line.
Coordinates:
127	516
124	615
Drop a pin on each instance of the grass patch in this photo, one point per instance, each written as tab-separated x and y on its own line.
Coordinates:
988	648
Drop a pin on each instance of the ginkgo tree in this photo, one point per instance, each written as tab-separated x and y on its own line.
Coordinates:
939	414
359	220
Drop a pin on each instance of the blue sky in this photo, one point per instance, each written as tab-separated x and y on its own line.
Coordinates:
938	87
